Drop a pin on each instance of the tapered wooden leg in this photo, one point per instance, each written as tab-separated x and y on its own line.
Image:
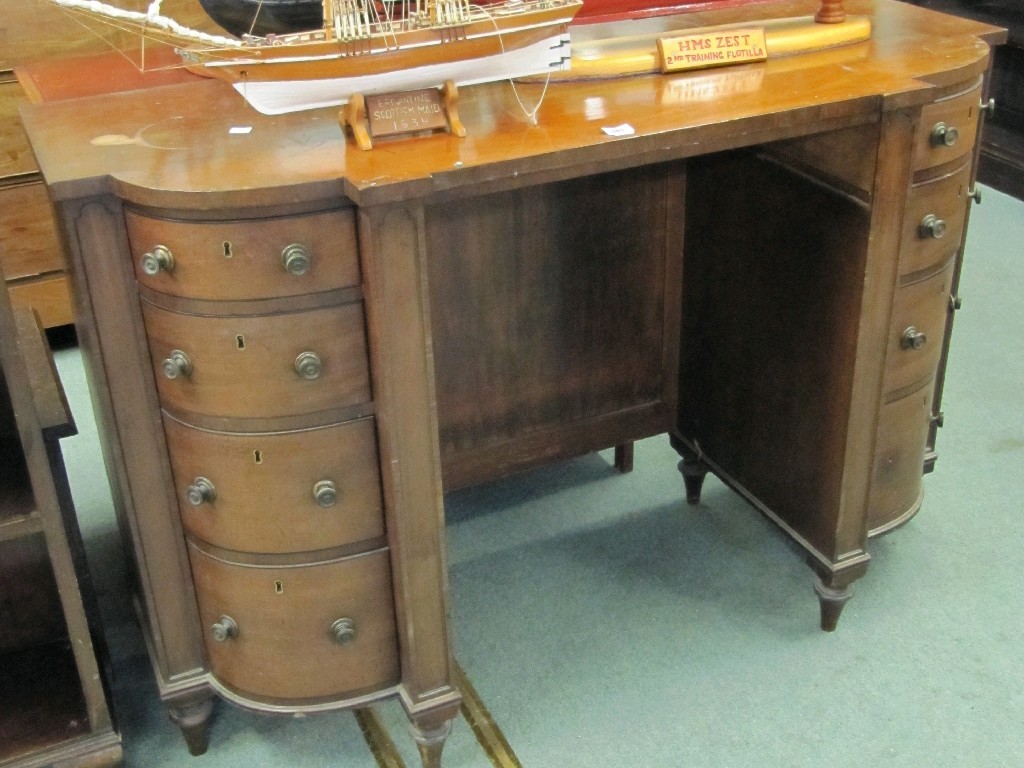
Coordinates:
624	457
430	743
831	601
193	717
693	471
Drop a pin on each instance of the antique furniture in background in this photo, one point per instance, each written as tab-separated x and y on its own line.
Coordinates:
294	346
1002	151
53	704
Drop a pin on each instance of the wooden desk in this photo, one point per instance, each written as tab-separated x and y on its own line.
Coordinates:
753	270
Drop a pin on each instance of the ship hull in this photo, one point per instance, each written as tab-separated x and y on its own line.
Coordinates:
272	97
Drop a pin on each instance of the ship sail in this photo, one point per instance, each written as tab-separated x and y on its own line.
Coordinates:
152	21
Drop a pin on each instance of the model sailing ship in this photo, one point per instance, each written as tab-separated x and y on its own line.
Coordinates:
364	47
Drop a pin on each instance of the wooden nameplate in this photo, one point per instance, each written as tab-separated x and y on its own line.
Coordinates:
407	112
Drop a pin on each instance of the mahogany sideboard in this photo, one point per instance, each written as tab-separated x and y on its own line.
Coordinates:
294	346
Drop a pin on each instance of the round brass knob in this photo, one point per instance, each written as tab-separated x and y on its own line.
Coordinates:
955	303
343	631
158	259
988	107
308	365
932	226
944	135
178	364
326	493
296	259
913	338
201	492
225	629
975	194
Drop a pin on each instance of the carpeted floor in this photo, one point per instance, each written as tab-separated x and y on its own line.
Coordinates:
604	623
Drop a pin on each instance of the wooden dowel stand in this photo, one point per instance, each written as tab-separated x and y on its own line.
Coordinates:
831	12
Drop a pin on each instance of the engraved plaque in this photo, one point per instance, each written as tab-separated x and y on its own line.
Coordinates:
390	114
716	48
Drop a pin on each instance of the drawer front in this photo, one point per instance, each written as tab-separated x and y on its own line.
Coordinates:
948	129
29	244
248	366
283	647
50	297
934	223
278	492
236	260
15	155
919	316
896	483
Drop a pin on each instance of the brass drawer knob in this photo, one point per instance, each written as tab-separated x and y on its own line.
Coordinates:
178	364
225	629
913	338
157	260
308	365
974	194
296	259
326	493
944	135
955	303
932	226
201	492
343	631
988	107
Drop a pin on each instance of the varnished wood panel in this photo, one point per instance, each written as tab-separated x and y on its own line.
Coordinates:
29	244
773	279
555	307
244	367
241	259
16	156
264	485
284	649
49	296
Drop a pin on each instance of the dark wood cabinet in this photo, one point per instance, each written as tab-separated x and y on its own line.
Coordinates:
53	705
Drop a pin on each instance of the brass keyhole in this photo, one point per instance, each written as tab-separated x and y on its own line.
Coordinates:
257	456
278	587
240	341
227	250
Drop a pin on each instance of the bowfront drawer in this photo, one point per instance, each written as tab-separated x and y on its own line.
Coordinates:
251	259
948	129
934	222
915	335
899	457
278	492
298	632
259	366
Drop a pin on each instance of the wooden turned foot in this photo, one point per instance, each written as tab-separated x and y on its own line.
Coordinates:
831	12
624	457
430	743
831	601
193	718
693	471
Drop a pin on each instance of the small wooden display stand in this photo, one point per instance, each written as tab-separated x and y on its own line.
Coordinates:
394	114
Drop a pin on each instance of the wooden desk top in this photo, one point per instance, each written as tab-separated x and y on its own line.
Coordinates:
172	146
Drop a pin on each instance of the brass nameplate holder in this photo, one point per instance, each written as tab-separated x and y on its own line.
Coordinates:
406	112
712	48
